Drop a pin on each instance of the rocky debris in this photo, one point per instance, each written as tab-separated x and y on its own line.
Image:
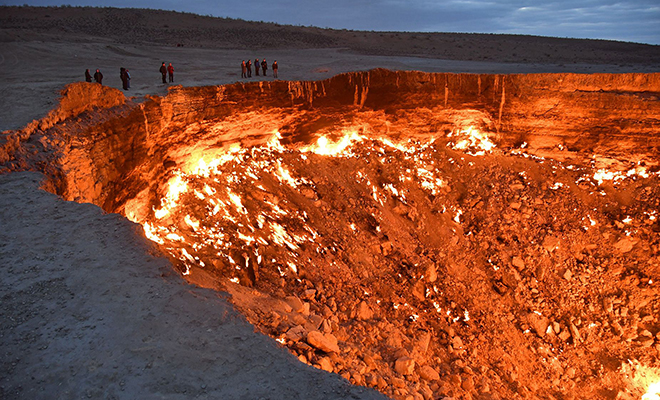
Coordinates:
326	342
625	245
575	334
404	365
518	263
428	373
550	243
539	323
296	333
325	364
364	312
645	338
295	303
431	273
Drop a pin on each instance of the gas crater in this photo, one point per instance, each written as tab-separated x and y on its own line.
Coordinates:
428	235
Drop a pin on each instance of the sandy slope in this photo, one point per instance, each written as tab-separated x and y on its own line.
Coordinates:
87	310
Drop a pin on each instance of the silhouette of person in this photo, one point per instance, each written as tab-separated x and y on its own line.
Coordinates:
275	69
163	71
98	77
256	66
248	65
88	76
243	69
124	78
170	72
264	66
128	79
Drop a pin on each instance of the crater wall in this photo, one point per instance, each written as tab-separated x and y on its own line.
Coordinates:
96	147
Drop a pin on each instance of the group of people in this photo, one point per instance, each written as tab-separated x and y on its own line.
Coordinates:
168	72
165	71
246	68
98	76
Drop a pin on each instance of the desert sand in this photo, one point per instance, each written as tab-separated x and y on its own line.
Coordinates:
90	308
43	49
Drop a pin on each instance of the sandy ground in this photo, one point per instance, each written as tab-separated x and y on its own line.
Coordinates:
33	73
35	67
88	310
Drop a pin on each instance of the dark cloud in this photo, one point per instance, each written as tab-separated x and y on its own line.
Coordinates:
637	20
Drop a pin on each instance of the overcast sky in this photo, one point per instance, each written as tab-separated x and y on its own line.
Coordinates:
632	20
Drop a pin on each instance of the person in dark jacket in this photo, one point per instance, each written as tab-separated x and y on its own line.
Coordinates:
98	77
88	76
243	69
264	66
163	72
275	69
256	66
170	72
248	65
124	78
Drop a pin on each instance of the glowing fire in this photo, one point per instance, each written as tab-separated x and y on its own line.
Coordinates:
603	175
653	392
224	200
642	379
472	141
325	147
246	211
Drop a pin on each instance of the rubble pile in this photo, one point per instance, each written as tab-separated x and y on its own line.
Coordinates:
430	269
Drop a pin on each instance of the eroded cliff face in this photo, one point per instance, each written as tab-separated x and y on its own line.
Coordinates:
104	152
358	220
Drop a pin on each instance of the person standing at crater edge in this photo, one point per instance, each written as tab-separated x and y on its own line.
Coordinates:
88	76
170	72
264	66
248	65
275	69
163	71
243	69
124	79
256	66
98	77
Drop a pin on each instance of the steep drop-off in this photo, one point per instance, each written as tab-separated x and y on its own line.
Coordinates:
106	155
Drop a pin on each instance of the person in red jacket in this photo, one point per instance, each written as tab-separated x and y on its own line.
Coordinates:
170	72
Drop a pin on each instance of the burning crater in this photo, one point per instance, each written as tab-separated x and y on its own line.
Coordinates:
429	235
